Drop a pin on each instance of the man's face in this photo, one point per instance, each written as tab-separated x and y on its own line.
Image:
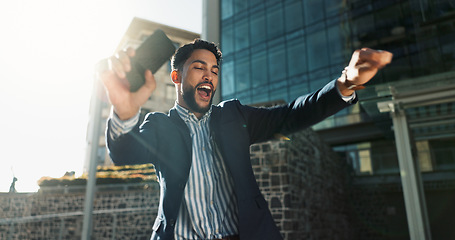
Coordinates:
199	79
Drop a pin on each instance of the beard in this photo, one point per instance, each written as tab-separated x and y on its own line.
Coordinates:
188	94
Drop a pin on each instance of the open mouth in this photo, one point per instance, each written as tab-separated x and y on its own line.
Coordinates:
204	91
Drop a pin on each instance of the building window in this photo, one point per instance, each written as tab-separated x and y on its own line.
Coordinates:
338	45
365	165
317	50
277	63
314	11
424	156
296	56
227	79
240	5
242	73
370	158
227	10
257	30
258	69
293	16
275	21
227	39
241	34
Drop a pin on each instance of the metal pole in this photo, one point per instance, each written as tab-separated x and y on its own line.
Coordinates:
93	139
211	30
414	198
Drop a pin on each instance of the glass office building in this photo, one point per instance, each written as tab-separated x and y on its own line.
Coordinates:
277	50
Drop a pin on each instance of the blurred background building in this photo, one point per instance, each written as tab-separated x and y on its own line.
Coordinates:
277	50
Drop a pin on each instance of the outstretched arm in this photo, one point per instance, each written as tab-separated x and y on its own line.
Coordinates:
314	107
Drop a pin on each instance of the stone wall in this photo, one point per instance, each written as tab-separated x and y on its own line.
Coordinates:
301	179
116	215
304	184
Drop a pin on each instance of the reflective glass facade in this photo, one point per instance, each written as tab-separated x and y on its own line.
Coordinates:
277	50
280	49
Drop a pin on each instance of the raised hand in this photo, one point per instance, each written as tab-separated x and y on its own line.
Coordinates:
112	72
364	64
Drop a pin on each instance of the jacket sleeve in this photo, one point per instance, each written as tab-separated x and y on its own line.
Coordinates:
303	112
131	148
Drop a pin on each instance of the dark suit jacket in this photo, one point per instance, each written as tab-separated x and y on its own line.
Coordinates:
164	140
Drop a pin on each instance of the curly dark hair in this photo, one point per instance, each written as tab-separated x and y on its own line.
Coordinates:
184	52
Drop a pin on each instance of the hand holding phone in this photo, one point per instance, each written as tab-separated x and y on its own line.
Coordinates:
156	50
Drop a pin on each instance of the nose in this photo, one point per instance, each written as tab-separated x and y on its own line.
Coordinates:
208	76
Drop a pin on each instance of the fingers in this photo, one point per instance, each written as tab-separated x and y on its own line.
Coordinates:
130	52
150	82
149	86
117	67
367	59
365	63
120	63
112	72
124	57
373	58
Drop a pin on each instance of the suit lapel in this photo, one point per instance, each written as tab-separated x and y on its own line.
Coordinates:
183	129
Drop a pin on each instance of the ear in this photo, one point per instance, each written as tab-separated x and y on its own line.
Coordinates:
175	76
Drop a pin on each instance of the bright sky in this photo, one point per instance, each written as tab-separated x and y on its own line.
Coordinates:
48	51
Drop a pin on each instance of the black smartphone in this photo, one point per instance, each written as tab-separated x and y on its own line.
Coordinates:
156	50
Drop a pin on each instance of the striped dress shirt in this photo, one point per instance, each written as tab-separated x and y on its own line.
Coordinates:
209	209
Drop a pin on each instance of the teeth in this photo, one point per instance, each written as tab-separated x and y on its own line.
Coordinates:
206	87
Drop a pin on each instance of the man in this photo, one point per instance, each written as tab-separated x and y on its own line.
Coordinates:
201	151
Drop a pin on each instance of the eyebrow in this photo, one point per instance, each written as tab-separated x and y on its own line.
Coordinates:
203	62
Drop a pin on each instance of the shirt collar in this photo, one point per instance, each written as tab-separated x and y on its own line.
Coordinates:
187	115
